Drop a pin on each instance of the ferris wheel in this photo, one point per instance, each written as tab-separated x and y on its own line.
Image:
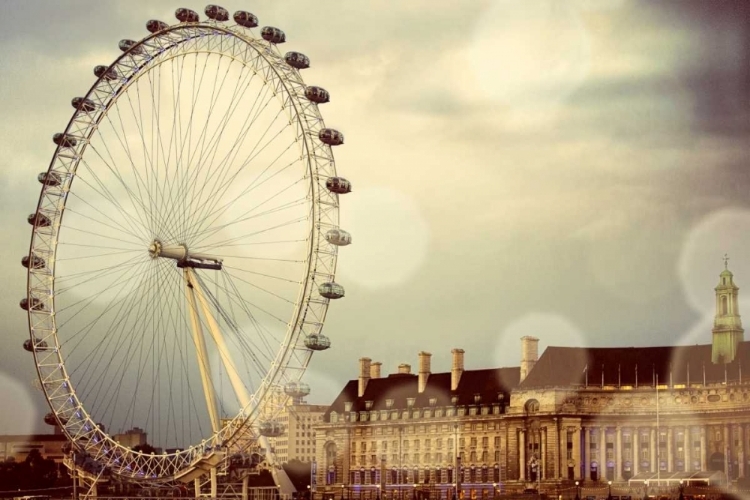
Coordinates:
184	246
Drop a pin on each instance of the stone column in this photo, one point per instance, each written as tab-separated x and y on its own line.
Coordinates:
563	443
687	446
521	455
543	450
652	449
703	447
602	453
670	445
741	451
635	443
618	454
586	455
727	450
577	452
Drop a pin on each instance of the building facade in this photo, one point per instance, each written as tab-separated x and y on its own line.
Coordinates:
298	440
656	414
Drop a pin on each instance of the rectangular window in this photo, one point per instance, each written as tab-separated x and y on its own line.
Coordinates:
485	442
497	441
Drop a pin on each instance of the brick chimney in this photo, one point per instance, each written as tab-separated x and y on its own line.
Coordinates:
457	369
375	369
529	354
404	368
364	375
424	370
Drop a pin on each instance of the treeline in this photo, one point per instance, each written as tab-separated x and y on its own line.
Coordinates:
34	473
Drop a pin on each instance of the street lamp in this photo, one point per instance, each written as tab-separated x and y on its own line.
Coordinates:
415	492
645	490
682	491
377	496
494	490
578	491
609	495
342	491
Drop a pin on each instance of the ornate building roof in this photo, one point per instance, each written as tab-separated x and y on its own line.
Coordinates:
634	366
491	385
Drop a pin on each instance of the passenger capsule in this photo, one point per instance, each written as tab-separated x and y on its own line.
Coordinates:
39	220
271	428
28	346
50	419
130	45
297	60
186	15
296	389
105	73
331	137
245	19
155	26
34	305
317	342
85	105
33	262
49	178
64	140
338	185
338	237
273	35
317	94
331	290
217	13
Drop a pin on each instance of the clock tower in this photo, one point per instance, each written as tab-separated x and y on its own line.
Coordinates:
727	331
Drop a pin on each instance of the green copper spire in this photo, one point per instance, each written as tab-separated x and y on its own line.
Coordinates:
727	331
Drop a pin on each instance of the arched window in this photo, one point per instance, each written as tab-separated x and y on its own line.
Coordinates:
531	406
724	305
331	463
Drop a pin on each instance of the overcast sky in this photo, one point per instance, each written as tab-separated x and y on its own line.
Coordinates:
573	170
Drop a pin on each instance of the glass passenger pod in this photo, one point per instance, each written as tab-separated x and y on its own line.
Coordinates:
317	95
186	15
105	73
49	178
33	305
64	140
331	290
33	262
85	105
338	185
271	428
128	45
40	344
273	35
338	237
331	137
50	419
154	26
245	19
317	342
217	13
39	220
297	60
296	389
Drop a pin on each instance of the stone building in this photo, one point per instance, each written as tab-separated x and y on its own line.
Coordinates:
656	414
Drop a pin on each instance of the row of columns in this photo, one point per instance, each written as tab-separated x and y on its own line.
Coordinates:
582	459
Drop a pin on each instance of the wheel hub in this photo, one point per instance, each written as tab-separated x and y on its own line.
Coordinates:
183	257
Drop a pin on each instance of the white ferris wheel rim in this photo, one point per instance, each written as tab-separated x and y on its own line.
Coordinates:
309	310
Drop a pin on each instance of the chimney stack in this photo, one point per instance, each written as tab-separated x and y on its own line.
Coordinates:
424	370
404	368
364	375
458	367
375	369
529	355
